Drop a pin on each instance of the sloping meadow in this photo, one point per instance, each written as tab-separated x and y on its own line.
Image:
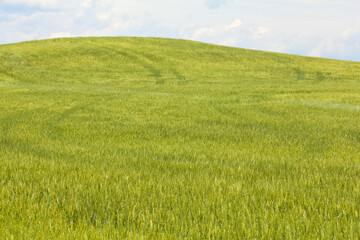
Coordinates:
108	138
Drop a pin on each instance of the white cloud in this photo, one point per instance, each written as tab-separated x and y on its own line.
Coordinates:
351	32
61	35
116	28
235	24
201	31
229	42
103	16
343	46
41	3
216	30
53	4
86	3
317	51
259	32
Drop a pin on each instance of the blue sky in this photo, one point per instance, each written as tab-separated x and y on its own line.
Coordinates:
321	28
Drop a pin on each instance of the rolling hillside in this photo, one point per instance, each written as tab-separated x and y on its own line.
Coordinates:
107	138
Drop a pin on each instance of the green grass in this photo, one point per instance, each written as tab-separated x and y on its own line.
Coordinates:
143	138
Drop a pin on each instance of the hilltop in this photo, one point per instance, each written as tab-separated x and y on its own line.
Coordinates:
150	63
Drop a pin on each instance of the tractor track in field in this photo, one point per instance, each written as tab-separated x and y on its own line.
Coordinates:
53	130
81	90
145	60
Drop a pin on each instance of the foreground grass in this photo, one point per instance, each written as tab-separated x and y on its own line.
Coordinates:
107	138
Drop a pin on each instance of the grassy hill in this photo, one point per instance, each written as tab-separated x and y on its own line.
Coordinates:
107	138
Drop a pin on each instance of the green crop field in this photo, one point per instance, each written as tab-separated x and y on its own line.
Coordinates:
145	138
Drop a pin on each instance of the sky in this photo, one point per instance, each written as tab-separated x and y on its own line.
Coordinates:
319	28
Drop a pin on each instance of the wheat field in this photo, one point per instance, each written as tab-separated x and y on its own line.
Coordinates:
148	138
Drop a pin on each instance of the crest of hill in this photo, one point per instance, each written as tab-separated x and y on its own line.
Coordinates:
153	63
